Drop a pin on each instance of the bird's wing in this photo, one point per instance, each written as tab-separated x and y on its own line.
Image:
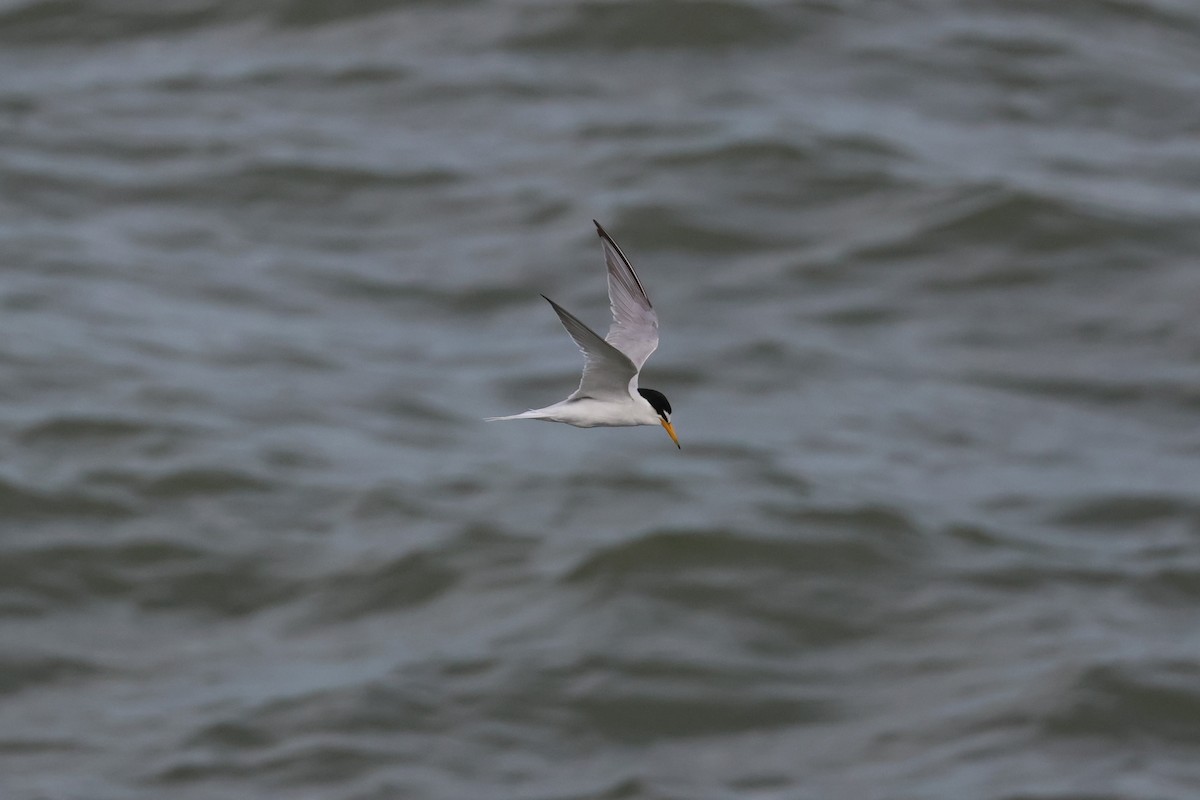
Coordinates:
607	372
634	329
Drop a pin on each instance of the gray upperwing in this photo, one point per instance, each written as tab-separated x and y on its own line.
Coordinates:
607	371
634	330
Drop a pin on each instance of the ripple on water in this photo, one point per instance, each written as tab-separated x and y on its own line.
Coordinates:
1099	390
1034	223
19	501
64	21
747	154
308	13
180	483
84	428
533	702
393	586
1172	586
669	550
266	182
194	481
343	72
782	592
650	226
634	700
630	25
1131	700
363	723
19	672
153	575
1124	511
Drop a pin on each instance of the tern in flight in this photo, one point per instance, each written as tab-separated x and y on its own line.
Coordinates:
608	394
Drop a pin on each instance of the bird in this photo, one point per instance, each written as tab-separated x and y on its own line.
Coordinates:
608	393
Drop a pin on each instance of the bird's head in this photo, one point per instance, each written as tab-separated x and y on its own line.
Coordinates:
659	402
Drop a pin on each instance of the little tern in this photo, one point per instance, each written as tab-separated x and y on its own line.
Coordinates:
608	393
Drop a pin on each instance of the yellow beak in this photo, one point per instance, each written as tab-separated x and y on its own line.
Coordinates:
671	432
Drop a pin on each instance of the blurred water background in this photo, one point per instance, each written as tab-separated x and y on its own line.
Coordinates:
928	282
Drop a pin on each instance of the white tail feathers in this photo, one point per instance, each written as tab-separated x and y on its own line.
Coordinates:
530	414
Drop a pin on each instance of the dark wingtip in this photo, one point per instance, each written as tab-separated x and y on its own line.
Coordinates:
604	235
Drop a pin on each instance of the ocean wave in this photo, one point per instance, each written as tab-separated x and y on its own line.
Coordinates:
271	181
18	673
1131	701
805	589
151	575
1123	512
21	501
630	25
74	428
83	22
309	13
397	584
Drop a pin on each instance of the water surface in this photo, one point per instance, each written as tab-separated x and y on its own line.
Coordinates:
927	281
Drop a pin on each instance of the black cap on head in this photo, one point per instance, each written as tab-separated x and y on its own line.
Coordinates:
658	400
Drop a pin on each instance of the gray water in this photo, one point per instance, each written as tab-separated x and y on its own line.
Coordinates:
928	285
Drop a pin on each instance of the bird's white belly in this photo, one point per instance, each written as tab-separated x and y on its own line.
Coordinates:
588	413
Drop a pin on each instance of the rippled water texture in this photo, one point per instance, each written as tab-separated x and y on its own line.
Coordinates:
928	282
